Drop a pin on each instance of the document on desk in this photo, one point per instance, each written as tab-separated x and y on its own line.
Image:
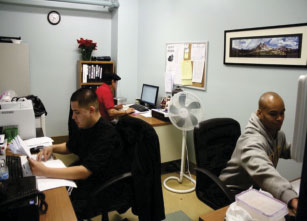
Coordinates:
46	183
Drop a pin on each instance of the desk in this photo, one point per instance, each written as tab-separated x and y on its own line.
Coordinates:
170	138
216	215
59	206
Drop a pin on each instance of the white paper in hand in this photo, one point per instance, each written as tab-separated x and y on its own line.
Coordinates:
23	148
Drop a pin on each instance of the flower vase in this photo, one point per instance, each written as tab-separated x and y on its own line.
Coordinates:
86	54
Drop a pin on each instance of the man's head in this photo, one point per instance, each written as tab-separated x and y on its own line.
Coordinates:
84	105
111	79
271	110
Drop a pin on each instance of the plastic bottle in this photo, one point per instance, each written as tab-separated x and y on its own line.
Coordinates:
4	171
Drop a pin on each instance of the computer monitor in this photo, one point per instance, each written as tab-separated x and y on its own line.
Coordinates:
299	144
149	95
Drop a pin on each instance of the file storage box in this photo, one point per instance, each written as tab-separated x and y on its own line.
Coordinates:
261	206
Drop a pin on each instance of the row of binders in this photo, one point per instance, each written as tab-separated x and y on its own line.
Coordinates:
92	73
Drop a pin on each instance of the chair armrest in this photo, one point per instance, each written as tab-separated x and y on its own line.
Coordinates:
219	183
111	182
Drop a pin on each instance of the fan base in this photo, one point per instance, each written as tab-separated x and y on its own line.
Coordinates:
179	181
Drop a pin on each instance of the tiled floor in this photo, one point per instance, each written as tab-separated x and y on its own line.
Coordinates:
187	202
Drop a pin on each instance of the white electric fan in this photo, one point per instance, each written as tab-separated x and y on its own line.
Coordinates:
185	112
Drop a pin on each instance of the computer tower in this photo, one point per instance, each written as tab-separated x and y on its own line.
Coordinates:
21	211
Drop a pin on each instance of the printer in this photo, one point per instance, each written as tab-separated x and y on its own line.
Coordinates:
19	114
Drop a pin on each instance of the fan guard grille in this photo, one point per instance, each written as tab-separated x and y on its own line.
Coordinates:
185	111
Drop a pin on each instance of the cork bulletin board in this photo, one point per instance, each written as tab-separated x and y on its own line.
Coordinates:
186	65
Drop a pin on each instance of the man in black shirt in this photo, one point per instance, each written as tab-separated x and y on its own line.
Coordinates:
98	146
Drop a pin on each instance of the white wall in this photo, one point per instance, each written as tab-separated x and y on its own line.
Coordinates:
232	91
127	52
54	53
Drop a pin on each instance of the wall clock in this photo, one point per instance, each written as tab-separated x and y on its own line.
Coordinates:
54	17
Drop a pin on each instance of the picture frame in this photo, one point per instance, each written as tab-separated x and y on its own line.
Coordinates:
282	46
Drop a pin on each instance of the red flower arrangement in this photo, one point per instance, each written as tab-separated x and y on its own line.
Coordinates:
86	47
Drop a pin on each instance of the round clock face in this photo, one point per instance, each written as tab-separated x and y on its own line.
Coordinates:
54	17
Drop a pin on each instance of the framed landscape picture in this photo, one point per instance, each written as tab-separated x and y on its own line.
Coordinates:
274	46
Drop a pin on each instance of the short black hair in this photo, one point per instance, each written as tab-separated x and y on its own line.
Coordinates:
85	97
108	77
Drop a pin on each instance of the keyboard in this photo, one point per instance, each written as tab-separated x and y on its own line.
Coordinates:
16	187
15	168
139	107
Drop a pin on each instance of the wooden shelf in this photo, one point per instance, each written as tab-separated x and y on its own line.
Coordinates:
96	68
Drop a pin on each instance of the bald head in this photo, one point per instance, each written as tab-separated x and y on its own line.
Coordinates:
271	109
268	99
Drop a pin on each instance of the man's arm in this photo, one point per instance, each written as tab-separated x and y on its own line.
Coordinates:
60	148
118	107
260	168
72	173
118	113
285	147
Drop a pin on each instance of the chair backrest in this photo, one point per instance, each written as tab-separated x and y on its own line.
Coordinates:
142	148
214	142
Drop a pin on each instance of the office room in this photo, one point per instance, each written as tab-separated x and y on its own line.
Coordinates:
135	35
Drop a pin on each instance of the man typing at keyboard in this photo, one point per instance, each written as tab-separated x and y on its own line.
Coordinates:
105	95
100	152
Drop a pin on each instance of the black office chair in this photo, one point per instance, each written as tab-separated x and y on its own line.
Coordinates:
144	192
214	142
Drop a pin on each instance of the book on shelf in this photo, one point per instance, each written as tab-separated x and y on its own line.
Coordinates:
92	73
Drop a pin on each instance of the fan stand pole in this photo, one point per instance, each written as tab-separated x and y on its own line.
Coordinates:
182	167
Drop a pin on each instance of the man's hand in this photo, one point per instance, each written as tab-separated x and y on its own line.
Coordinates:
118	107
129	110
293	206
45	153
38	168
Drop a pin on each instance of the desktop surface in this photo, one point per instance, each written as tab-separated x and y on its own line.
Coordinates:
151	120
217	215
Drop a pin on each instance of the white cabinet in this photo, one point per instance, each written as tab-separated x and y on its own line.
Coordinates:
14	68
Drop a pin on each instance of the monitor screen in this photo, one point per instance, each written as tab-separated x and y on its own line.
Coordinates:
299	144
149	94
300	123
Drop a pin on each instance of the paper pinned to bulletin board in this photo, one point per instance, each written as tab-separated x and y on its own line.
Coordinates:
186	65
